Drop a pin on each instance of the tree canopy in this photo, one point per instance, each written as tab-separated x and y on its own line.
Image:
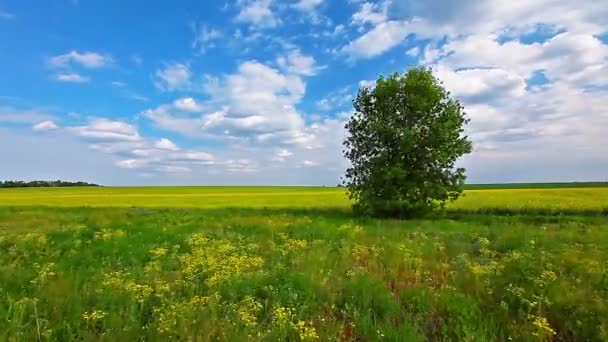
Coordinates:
403	141
41	184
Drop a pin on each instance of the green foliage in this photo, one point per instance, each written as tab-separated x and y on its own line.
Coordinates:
42	184
121	274
403	141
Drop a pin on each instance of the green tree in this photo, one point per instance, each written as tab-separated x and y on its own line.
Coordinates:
403	141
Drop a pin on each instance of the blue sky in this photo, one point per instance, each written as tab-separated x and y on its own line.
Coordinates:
258	91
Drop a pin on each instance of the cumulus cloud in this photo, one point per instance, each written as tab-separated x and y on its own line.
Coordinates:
87	59
310	163
258	13
240	165
307	5
378	40
166	144
44	126
439	18
107	130
338	100
255	103
204	37
188	104
297	63
372	13
173	77
281	155
72	78
132	151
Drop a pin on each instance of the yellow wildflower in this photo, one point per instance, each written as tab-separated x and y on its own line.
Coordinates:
306	331
542	326
94	316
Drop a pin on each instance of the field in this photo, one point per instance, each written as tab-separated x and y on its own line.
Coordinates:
286	263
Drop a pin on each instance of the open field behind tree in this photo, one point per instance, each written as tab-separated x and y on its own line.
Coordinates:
501	200
286	263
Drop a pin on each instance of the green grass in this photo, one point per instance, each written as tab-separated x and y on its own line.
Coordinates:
281	263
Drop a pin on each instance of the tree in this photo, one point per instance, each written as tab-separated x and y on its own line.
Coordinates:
403	141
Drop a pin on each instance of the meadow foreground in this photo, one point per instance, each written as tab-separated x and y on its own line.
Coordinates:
301	272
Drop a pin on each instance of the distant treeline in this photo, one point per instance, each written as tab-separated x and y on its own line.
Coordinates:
42	184
536	185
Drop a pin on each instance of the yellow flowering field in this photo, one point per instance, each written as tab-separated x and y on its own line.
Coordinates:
553	200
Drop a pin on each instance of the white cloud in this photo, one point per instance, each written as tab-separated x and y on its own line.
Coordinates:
168	117
107	130
131	163
414	52
310	163
257	101
297	63
337	100
240	165
484	83
439	18
45	126
307	5
188	104
446	17
118	84
205	37
132	151
568	57
86	59
370	13
72	78
281	155
138	97
258	13
173	77
166	144
378	40
367	83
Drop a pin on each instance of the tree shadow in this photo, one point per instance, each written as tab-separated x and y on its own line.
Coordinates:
489	216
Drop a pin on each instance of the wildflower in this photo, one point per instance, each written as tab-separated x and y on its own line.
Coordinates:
282	316
114	280
43	273
294	245
218	260
548	276
542	326
306	331
439	246
107	234
94	316
158	252
247	310
139	292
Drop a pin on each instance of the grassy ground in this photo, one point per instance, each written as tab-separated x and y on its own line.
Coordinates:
301	269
